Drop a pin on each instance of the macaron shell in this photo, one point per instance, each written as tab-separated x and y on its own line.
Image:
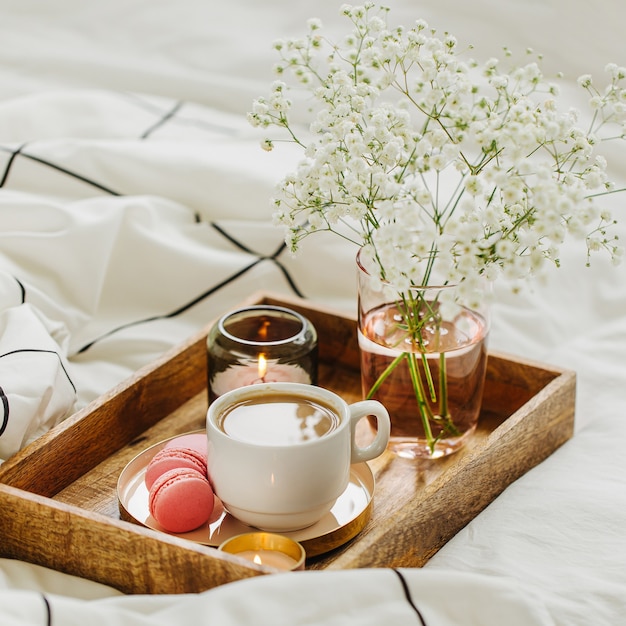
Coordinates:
171	458
191	441
181	500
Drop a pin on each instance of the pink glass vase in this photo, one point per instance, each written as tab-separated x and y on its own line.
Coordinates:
424	357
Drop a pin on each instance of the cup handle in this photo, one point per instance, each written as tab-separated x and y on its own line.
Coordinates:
358	411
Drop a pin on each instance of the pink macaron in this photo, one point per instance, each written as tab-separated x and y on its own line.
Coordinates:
181	500
191	441
173	457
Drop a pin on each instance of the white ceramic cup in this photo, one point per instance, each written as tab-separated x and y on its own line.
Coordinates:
282	486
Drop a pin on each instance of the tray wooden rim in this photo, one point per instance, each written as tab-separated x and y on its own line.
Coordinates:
550	410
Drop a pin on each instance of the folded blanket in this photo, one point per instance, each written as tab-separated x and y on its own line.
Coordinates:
36	390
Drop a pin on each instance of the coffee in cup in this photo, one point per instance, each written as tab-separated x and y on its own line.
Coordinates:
280	419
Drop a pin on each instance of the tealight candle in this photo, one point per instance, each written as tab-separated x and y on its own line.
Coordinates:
273	558
258	344
268	549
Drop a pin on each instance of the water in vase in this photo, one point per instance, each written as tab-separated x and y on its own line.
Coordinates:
460	343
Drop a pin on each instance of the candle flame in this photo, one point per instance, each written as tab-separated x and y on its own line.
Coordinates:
257	559
262	366
263	330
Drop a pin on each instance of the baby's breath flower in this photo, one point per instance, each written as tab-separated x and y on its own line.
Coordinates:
437	163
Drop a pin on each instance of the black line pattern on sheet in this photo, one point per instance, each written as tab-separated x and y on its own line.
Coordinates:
22	289
64	170
165	112
176	312
168	115
260	258
74	175
273	257
180	118
289	278
42	351
5	411
407	594
7	169
48	610
229	237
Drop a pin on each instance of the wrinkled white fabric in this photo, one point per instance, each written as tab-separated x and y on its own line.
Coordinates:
36	391
340	598
134	210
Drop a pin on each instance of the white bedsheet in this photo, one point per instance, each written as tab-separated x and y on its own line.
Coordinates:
134	209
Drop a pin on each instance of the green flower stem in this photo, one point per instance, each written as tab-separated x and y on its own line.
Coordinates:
444	410
381	379
449	427
422	405
429	379
418	387
412	305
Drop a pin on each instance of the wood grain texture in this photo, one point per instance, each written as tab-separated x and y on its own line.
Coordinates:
129	558
527	413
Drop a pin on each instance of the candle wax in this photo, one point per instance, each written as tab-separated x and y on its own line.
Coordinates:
237	376
273	558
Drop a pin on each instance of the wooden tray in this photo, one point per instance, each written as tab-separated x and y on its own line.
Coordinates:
58	496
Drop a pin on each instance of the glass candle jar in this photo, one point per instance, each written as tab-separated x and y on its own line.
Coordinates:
268	549
257	344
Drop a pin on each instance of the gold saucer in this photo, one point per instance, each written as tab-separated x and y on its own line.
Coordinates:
344	521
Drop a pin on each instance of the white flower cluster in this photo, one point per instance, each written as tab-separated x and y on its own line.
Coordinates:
444	169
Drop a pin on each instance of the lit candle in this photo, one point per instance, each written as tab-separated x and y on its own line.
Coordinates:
262	367
263	372
273	558
260	344
269	549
